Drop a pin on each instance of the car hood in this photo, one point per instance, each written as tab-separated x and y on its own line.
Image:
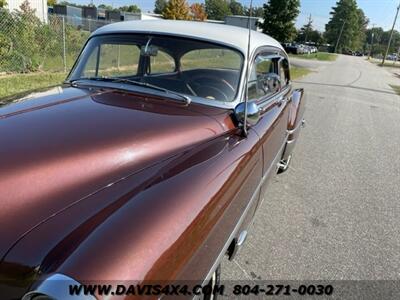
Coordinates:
61	145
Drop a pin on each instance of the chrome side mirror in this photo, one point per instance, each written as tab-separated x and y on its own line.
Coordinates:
253	113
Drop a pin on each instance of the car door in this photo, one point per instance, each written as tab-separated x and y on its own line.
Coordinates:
269	86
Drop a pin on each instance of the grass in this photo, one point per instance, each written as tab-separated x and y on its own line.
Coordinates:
396	88
389	63
323	56
297	72
13	84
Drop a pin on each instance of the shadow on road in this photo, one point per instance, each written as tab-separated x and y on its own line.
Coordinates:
346	86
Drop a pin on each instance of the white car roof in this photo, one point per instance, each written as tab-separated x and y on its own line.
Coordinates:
233	36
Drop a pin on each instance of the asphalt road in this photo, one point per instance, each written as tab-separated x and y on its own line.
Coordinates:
335	214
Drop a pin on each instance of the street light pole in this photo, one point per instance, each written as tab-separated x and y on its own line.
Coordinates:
391	35
340	35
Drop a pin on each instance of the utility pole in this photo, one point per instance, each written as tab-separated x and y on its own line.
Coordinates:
308	27
391	35
372	41
340	35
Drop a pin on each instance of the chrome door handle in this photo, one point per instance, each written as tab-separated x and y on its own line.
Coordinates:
280	101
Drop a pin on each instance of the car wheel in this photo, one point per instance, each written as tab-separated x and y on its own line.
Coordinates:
212	283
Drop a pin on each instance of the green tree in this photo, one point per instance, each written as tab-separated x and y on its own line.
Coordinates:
306	29
159	6
377	40
104	6
3	3
376	32
255	12
236	8
71	4
308	34
177	10
360	40
346	12
279	19
130	8
51	2
217	9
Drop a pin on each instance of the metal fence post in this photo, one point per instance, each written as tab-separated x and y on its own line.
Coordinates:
64	45
119	55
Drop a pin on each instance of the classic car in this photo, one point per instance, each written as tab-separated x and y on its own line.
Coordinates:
148	163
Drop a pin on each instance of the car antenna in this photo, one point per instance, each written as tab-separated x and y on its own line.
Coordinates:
246	91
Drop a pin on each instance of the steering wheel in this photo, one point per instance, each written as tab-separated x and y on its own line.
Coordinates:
216	84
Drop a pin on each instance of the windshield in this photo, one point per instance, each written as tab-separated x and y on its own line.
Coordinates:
185	66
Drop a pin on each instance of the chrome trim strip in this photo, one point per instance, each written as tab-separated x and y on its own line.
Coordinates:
242	238
56	287
290	141
282	94
273	166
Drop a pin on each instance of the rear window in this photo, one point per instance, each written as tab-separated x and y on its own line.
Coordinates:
211	59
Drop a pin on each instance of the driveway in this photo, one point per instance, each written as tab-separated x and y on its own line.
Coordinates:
335	214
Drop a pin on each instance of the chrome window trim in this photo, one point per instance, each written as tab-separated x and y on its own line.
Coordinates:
274	50
262	102
221	104
273	53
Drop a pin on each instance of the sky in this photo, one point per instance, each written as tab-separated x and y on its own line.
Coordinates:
380	12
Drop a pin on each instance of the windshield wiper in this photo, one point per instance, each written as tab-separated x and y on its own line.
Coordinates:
187	99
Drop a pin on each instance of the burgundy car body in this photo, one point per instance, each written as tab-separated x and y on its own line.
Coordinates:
108	185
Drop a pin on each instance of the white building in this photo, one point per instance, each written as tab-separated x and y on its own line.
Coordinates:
243	21
40	7
140	16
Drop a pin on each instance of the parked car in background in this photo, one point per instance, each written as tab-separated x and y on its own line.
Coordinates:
392	56
348	52
148	164
307	49
296	48
293	48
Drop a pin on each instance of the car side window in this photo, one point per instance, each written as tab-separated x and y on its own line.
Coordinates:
162	63
263	77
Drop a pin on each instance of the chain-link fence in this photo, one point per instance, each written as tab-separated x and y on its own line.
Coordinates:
29	45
